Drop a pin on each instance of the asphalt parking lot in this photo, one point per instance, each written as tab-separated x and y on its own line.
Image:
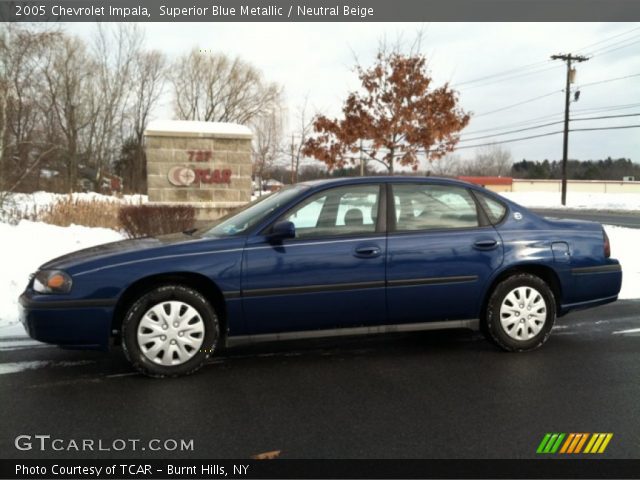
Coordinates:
447	394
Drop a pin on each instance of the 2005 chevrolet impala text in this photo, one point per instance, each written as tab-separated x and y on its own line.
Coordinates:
348	256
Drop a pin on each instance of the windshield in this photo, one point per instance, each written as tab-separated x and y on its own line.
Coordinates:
240	221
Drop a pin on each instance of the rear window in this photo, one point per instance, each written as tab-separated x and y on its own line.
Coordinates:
495	210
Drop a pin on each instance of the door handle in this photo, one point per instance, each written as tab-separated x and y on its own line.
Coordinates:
368	251
485	244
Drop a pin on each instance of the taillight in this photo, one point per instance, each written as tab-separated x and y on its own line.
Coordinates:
607	244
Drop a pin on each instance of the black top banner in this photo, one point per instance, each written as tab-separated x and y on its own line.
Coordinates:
317	469
318	10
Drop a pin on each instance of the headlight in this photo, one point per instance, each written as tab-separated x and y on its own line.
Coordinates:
52	281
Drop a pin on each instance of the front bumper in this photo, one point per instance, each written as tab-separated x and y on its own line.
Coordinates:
68	323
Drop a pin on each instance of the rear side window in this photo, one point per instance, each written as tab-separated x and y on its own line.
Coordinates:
494	209
430	207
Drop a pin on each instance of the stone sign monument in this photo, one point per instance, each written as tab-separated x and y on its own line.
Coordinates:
204	164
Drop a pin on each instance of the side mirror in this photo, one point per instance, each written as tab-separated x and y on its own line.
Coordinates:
282	230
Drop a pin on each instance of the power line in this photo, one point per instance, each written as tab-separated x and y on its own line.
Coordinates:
616	46
512	131
510	77
619	127
607	108
614	49
608	39
518	104
502	73
515	124
521	71
519	139
577	113
609	80
550	124
605	116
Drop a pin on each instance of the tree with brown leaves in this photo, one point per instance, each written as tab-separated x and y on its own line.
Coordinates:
396	116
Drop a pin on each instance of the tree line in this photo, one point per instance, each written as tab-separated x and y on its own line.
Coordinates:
607	169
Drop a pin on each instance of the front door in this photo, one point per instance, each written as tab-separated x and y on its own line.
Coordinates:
441	251
331	275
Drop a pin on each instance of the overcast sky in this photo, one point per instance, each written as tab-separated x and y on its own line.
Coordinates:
316	60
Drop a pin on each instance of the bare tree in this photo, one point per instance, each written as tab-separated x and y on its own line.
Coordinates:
69	73
148	79
216	88
116	51
300	135
446	166
493	160
21	92
267	141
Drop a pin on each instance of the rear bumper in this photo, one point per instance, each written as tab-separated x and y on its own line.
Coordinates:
566	308
69	323
593	286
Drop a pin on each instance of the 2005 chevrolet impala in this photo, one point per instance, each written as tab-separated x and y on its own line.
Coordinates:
323	258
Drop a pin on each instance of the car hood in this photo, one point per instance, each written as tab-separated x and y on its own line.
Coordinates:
124	250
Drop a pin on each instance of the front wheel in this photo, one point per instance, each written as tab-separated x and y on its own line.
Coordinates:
170	331
520	313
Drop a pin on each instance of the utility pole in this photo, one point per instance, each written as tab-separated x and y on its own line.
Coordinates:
568	58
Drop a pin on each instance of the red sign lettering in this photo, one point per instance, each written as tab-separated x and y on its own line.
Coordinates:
206	175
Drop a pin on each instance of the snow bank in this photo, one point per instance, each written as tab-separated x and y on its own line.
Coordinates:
624	242
37	200
28	245
591	201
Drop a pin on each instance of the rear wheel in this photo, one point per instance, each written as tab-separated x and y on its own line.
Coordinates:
170	331
520	313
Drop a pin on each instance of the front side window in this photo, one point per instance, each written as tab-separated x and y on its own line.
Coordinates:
240	221
338	211
431	207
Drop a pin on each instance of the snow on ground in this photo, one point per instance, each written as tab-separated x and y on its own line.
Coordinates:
590	201
624	242
28	245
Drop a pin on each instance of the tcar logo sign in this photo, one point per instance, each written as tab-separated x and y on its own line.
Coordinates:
181	176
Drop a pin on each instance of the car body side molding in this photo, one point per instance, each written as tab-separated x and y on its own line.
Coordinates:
470	324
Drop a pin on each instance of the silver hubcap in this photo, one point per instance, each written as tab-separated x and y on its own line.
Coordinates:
523	313
170	333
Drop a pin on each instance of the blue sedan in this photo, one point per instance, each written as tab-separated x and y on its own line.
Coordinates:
347	256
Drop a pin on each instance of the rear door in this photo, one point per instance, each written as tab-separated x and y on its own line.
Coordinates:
441	252
331	275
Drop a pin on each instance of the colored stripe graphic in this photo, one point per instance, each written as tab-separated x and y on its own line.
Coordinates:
550	443
573	443
543	443
567	443
598	443
581	442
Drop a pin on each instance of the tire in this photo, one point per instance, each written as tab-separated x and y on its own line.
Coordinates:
520	313
170	331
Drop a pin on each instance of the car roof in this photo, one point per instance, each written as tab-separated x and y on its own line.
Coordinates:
386	179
